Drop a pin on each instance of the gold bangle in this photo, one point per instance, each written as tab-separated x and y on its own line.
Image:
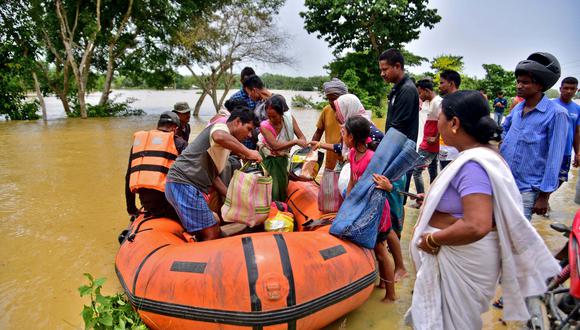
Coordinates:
427	242
433	240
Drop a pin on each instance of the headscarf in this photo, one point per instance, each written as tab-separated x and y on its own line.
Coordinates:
348	105
335	86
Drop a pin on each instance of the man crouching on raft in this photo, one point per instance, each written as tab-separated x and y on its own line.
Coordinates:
198	167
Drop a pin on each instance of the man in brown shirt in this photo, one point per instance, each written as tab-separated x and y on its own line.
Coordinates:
327	123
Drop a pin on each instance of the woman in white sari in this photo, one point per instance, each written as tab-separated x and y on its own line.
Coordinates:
471	233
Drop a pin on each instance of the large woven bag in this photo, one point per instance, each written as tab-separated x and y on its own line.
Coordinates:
249	197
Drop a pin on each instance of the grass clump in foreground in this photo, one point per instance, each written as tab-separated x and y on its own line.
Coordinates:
108	312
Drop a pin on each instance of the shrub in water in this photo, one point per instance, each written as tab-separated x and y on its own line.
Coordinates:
300	101
109	109
108	312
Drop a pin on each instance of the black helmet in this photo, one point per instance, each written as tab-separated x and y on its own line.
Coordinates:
168	117
544	68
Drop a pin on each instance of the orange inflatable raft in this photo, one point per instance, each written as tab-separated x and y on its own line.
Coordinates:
297	280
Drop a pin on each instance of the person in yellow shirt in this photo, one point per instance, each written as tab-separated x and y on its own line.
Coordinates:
327	123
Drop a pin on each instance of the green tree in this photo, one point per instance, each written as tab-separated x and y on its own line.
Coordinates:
16	45
241	31
368	28
498	79
446	62
130	44
12	90
364	24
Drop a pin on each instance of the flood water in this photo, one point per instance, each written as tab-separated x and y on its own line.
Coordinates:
62	206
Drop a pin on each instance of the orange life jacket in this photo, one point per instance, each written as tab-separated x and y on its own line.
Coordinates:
153	154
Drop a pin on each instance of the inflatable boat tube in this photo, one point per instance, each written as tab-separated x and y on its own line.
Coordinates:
297	280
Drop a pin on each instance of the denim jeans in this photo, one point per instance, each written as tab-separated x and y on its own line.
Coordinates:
528	200
498	116
433	169
425	161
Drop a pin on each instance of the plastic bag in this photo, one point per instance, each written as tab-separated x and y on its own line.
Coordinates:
279	219
305	164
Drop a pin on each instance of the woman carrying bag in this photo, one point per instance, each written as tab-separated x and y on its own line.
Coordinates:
277	137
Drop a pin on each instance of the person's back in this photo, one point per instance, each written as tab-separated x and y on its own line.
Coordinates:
152	154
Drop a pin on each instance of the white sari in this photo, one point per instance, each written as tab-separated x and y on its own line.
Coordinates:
455	287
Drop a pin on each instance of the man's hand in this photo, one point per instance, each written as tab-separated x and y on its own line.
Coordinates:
301	143
314	145
541	205
420	199
253	156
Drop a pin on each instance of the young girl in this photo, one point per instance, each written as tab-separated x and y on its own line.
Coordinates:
355	136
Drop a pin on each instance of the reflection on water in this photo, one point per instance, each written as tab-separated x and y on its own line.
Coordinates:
62	207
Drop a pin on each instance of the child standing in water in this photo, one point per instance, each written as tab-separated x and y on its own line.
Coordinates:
355	134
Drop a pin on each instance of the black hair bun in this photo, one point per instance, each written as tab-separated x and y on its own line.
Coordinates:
487	129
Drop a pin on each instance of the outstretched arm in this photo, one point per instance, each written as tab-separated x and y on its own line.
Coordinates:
227	141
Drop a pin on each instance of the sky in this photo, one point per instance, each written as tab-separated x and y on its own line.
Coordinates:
483	32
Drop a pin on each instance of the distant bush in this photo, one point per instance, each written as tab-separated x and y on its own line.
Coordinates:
300	101
109	109
321	105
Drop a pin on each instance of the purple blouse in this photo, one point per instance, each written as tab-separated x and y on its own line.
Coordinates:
471	179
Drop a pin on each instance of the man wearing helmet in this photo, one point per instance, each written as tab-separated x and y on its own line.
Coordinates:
535	133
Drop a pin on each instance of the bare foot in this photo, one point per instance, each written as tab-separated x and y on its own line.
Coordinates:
381	285
388	300
400	274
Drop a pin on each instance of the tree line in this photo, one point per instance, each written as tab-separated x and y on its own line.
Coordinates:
67	48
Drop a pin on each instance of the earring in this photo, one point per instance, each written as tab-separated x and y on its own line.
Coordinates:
454	131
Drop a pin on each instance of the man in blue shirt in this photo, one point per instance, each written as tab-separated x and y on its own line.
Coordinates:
499	105
568	89
535	133
241	94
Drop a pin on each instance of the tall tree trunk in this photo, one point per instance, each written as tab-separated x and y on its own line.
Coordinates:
199	103
229	81
112	57
64	100
80	70
39	95
214	99
108	81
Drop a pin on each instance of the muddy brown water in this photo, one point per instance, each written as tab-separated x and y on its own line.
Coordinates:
62	206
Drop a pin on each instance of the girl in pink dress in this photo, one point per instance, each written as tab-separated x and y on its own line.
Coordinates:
356	133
